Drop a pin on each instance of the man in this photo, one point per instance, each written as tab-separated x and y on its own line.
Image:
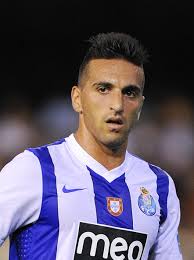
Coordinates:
85	196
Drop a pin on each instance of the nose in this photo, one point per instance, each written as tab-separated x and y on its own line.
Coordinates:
117	102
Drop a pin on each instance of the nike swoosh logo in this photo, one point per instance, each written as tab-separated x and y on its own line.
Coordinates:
65	190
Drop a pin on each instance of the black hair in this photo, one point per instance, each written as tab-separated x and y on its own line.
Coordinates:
114	45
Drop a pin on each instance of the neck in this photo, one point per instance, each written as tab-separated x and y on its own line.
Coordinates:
110	158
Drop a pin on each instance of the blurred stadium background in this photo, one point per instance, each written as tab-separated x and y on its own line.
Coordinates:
43	45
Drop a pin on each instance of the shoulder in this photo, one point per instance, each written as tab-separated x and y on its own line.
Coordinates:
143	163
161	175
21	162
21	170
28	163
41	150
26	170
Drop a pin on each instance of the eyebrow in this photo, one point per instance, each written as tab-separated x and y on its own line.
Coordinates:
102	83
134	88
108	84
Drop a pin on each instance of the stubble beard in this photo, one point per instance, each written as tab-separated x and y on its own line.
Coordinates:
115	143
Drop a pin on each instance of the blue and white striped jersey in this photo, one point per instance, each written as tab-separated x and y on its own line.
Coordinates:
46	192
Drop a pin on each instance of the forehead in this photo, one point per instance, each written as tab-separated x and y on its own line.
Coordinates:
116	71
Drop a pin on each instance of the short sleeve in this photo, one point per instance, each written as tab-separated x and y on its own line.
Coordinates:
20	193
167	243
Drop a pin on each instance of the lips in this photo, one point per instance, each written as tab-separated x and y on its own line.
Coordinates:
115	123
114	120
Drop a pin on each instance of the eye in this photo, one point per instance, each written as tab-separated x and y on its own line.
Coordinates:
103	89
131	92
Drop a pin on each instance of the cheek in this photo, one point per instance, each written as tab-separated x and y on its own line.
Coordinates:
92	106
94	117
132	111
132	107
89	108
91	113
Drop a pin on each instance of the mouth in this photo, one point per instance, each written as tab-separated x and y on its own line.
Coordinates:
115	123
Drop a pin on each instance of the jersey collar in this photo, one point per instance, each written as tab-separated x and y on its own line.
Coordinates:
88	160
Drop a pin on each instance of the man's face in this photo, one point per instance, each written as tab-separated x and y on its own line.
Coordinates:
110	100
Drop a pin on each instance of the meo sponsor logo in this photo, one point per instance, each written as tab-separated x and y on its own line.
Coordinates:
104	242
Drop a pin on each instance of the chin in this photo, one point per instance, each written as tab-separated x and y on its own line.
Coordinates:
115	142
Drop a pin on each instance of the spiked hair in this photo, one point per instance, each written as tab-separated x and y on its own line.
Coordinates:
114	45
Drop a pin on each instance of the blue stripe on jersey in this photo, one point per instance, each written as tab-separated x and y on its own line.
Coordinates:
39	240
117	189
48	222
162	190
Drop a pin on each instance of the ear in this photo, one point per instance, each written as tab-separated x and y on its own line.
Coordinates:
76	99
140	108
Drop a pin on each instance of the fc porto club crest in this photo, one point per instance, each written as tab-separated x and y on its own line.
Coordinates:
146	202
114	206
